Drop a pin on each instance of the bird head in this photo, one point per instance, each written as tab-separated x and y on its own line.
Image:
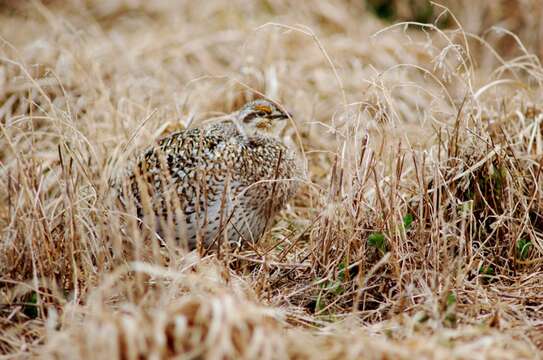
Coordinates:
262	117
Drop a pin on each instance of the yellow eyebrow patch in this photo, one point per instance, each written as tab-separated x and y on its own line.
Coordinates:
264	108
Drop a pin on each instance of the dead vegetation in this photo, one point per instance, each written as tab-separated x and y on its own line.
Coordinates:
418	229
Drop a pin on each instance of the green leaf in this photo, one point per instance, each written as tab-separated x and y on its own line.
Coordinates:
334	287
30	308
487	273
377	240
450	319
499	177
486	270
523	248
451	299
319	303
338	289
341	274
407	221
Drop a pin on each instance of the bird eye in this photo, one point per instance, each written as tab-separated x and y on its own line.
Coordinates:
251	116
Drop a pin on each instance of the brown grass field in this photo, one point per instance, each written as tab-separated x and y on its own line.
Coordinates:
418	229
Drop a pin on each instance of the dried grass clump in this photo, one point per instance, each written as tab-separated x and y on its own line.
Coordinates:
477	185
212	326
416	233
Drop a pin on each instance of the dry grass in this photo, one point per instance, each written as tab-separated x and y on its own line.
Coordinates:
417	232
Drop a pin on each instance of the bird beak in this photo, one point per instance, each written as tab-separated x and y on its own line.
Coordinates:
281	115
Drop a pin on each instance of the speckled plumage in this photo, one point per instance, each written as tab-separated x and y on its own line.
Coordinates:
223	179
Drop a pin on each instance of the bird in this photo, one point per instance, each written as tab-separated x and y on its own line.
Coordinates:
222	181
